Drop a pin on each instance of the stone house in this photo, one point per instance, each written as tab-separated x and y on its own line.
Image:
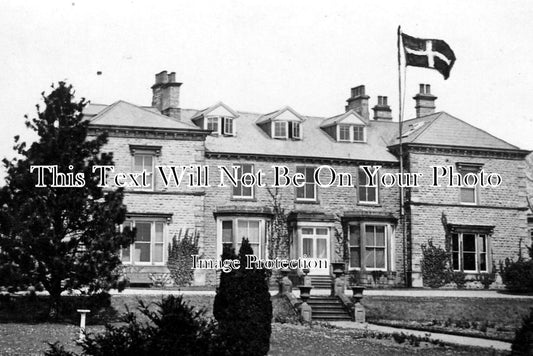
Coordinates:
350	220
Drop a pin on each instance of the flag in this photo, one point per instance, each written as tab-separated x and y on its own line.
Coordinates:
428	53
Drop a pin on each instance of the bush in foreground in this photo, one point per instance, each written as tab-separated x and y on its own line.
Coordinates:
243	307
523	341
175	328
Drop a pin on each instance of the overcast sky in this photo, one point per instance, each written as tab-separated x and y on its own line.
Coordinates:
262	55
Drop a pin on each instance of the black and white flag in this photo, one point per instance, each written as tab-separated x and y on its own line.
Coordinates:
428	53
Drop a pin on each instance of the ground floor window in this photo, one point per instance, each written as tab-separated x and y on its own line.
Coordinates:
469	252
370	246
233	229
148	246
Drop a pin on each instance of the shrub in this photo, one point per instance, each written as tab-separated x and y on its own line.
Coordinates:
435	269
175	328
243	307
459	278
518	276
180	253
523	340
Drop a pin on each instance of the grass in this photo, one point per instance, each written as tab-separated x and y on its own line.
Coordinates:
286	339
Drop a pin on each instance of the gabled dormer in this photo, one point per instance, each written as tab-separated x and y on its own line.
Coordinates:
219	119
347	127
282	124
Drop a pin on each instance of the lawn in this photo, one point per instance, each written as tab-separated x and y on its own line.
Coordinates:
286	339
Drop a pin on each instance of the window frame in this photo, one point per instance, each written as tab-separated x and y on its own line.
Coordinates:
361	173
295	130
132	222
463	169
263	242
225	120
145	152
315	185
478	252
347	128
285	129
362	247
240	186
363	133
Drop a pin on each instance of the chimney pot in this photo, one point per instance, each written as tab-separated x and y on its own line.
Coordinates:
358	102
425	101
382	110
166	94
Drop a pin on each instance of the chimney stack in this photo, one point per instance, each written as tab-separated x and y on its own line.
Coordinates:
166	94
358	102
425	102
382	110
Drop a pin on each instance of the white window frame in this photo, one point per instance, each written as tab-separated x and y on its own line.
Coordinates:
389	246
285	124
263	246
227	119
296	130
213	119
367	187
478	252
239	175
354	127
315	191
346	127
152	242
150	173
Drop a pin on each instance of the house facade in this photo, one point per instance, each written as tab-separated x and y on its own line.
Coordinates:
337	215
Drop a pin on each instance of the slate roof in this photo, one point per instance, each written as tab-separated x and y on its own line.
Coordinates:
442	128
435	129
122	113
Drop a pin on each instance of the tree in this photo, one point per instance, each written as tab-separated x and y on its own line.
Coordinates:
243	307
62	237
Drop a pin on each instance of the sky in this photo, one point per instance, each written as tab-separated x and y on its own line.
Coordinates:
259	56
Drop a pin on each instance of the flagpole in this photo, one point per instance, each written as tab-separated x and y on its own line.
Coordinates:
400	121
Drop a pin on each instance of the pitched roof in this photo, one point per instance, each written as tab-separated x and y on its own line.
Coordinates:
273	115
122	113
206	111
444	129
340	118
251	139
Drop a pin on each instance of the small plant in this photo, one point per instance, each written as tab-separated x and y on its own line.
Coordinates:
483	326
160	280
459	278
353	278
523	340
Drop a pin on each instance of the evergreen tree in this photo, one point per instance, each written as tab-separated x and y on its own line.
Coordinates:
243	307
62	237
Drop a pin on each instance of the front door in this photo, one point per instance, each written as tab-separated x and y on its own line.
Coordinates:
315	245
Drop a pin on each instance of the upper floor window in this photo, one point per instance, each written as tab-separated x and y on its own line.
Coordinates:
469	252
367	194
144	161
212	124
308	190
350	133
468	195
227	126
240	191
294	130
148	246
280	129
344	133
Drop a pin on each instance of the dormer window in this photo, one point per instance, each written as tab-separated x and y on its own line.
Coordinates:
219	119
282	124
212	124
294	130
280	129
227	126
350	133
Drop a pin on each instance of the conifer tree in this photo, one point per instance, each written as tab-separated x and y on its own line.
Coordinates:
243	307
62	237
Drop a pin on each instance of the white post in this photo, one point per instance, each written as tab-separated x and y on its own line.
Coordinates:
83	313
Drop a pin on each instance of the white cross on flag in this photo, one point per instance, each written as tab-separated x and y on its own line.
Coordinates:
434	54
